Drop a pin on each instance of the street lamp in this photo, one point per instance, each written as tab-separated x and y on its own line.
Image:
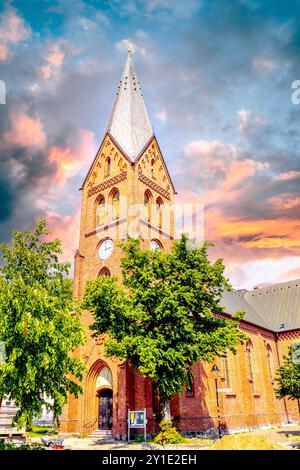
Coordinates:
215	372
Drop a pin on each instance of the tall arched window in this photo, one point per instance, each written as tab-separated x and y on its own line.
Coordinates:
104	272
107	167
159	212
249	360
115	199
190	388
225	371
100	210
147	203
270	361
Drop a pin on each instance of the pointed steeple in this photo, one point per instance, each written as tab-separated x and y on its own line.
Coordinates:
129	123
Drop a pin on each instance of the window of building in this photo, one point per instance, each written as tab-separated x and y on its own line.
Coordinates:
159	212
249	360
152	168
225	371
104	272
270	361
107	168
190	388
147	204
115	199
100	210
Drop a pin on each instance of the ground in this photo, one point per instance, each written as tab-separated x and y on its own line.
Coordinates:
272	439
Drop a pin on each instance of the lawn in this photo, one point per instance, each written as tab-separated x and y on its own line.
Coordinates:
38	431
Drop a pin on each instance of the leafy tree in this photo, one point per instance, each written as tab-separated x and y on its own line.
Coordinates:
162	318
37	325
288	375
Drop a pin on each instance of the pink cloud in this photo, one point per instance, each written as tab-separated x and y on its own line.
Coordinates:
285	201
64	228
69	160
289	175
12	31
25	131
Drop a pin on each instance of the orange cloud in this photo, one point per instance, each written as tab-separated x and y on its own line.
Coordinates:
25	131
55	57
69	161
12	31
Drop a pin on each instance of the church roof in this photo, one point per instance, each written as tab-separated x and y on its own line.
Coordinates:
129	123
279	304
276	307
232	302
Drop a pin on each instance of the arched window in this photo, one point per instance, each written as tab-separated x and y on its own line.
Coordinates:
115	201
270	361
225	371
147	203
249	360
100	210
159	212
190	388
107	167
152	168
104	272
104	379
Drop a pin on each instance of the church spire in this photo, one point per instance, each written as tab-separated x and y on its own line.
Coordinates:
129	123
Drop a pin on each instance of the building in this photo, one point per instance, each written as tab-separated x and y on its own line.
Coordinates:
128	192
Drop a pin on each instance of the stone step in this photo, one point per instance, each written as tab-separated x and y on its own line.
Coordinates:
101	434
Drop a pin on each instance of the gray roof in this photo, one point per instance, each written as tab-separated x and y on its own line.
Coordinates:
276	307
279	304
232	302
128	123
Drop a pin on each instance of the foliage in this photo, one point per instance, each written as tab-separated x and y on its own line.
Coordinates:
139	438
38	431
12	446
168	434
288	375
37	326
162	318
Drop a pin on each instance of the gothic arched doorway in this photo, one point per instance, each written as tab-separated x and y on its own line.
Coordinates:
105	409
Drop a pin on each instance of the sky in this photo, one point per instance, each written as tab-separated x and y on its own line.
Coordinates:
217	81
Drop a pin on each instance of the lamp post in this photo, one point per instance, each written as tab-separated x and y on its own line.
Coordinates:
215	372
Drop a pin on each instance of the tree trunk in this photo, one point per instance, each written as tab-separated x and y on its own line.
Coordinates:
166	414
56	422
28	425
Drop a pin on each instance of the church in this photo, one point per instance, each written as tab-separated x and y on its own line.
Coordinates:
128	191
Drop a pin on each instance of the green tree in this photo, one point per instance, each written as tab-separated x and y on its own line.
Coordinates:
37	325
288	375
162	317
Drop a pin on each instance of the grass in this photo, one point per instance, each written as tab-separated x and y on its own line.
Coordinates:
246	442
38	431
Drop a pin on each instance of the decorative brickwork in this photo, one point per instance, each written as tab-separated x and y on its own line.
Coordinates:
108	183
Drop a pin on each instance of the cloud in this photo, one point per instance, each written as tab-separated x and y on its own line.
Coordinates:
25	131
12	31
263	63
70	160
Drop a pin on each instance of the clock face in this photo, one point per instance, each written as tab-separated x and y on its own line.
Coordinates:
105	249
155	246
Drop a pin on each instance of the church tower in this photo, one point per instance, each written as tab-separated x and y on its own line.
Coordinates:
127	192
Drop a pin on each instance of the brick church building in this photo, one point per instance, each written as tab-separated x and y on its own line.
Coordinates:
128	172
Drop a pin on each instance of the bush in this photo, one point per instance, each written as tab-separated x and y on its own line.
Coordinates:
168	434
139	438
11	446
